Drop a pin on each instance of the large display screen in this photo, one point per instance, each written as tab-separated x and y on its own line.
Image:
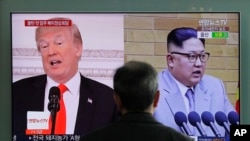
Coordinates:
110	39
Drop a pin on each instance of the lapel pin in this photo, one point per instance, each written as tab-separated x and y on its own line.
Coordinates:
90	100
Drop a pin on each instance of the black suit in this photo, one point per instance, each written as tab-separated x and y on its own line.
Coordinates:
28	95
136	127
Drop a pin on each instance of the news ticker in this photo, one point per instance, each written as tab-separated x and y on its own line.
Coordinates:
237	133
41	137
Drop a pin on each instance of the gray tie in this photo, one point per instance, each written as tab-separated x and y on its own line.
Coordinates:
189	94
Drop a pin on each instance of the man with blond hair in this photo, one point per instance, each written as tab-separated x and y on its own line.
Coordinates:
89	104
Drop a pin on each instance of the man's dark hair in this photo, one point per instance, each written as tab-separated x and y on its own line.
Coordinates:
178	35
136	84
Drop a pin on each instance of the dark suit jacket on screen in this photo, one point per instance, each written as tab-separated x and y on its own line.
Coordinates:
28	95
136	127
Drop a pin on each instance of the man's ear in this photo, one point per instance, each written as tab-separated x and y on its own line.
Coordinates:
170	60
118	102
78	50
156	98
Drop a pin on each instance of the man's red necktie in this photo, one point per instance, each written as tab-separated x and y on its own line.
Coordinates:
60	125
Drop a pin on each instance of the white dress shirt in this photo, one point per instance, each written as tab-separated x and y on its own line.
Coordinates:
70	97
183	89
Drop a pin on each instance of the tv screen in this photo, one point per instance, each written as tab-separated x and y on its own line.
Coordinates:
102	52
110	39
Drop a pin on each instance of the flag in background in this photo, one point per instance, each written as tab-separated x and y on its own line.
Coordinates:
237	104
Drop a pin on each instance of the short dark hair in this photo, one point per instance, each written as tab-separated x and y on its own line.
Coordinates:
178	35
136	84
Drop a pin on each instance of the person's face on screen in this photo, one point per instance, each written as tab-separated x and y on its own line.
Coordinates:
60	55
185	69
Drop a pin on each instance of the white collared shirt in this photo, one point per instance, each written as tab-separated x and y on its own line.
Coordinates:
70	97
183	89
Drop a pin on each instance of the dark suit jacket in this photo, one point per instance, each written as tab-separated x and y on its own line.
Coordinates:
136	127
28	95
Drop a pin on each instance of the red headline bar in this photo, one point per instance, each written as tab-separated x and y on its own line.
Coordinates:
47	22
37	131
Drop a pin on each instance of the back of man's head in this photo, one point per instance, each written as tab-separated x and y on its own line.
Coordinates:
135	83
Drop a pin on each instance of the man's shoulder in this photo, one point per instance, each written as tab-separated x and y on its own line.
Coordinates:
91	83
31	79
98	134
211	82
209	78
169	132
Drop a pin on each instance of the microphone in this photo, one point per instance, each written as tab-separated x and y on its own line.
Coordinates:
233	118
54	106
208	119
181	120
221	119
195	120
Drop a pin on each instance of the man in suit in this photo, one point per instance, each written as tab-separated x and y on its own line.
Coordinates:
89	104
186	63
136	94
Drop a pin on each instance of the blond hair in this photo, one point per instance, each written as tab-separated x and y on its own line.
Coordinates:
77	38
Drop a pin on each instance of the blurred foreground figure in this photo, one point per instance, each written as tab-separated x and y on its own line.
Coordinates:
136	94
